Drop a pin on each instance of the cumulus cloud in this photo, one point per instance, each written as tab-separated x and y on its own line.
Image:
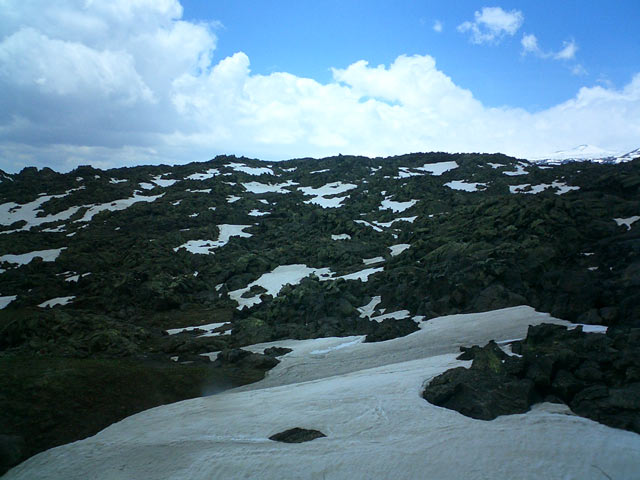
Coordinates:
125	90
491	24
437	26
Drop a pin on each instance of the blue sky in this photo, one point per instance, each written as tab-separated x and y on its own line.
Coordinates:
125	82
307	38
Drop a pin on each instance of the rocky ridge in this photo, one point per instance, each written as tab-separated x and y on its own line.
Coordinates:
167	266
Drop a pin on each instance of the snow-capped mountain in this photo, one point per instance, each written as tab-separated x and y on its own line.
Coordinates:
586	152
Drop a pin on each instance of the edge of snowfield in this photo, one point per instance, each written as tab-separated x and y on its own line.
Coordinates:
367	399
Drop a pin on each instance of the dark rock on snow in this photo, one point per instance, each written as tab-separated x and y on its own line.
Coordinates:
297	435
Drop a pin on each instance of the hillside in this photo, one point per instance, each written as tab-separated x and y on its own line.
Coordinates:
103	272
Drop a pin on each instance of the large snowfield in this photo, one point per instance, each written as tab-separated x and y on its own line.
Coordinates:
366	399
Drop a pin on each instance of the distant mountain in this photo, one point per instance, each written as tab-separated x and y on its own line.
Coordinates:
587	152
139	276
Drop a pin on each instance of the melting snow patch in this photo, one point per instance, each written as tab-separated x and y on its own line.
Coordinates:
6	300
212	172
56	301
563	187
273	282
116	205
367	310
398	249
495	165
334	188
202	190
371	261
399	315
241	167
396	207
342	236
362	275
257	187
334	202
205	247
589	328
439	168
117	180
257	213
232	199
320	171
12	212
147	186
518	171
402	219
364	222
627	222
465	186
25	258
163	182
292	169
208	329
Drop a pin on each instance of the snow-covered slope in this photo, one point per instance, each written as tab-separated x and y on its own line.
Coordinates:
366	398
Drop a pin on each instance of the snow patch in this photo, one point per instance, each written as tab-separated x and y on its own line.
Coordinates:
257	187
256	171
398	249
275	280
371	261
116	205
439	168
208	329
6	300
342	236
465	186
627	222
210	173
206	247
25	258
57	301
396	207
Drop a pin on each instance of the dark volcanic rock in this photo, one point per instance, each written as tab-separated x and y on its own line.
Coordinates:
277	351
391	328
11	451
243	359
596	375
297	435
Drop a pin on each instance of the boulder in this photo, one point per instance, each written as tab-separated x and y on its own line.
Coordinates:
596	375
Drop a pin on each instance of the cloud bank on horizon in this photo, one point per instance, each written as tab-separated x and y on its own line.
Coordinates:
125	82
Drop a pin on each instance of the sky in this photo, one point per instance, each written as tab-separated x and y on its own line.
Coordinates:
113	83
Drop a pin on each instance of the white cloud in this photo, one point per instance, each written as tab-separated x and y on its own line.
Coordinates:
568	51
530	44
492	24
578	69
151	93
437	26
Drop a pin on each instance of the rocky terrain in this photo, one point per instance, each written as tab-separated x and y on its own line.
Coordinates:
119	287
